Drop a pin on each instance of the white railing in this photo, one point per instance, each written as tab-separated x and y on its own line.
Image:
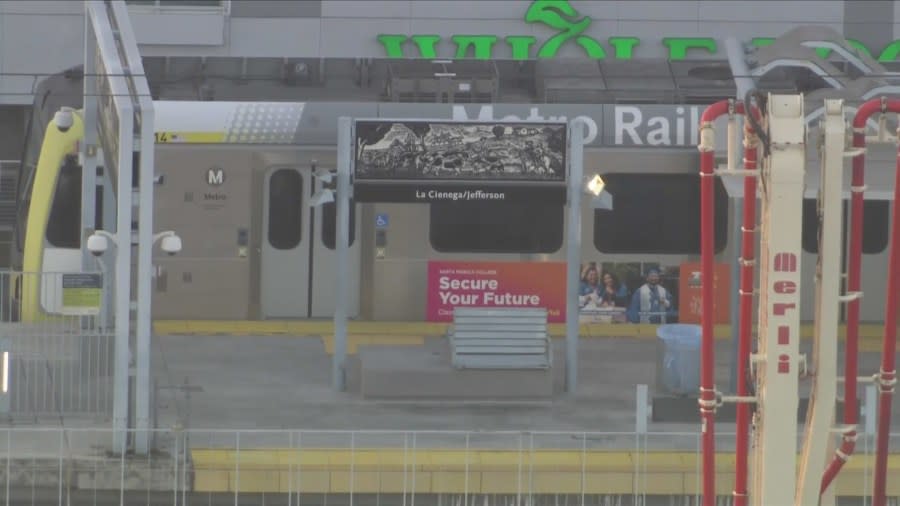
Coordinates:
54	363
69	466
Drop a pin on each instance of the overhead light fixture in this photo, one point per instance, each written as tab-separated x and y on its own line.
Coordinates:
323	174
596	185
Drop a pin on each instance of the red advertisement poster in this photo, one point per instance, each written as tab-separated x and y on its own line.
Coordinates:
690	293
496	284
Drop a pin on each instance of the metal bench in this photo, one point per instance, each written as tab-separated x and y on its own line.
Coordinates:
500	338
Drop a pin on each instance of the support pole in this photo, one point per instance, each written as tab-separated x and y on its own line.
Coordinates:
143	102
747	257
88	147
783	169
823	391
342	198
737	217
144	328
573	252
734	314
887	375
744	83
123	284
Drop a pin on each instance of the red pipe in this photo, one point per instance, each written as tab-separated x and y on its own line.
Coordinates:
888	374
851	355
707	400
748	247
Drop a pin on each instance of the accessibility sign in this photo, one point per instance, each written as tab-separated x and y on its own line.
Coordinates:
381	220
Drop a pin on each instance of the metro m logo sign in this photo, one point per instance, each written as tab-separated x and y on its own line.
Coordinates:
215	176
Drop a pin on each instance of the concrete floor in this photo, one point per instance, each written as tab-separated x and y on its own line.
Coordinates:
285	383
268	386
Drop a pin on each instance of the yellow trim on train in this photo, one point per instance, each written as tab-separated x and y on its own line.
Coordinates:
388	333
56	146
164	137
483	471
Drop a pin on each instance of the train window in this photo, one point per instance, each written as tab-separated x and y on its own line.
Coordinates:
876	216
496	227
64	224
285	208
875	226
329	224
657	213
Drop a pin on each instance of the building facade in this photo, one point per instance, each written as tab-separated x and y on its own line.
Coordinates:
234	37
334	50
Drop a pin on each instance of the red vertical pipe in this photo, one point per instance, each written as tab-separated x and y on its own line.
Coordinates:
748	246
854	261
888	374
707	399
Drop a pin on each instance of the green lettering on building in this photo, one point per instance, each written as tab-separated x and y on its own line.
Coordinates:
554	13
570	26
481	45
520	45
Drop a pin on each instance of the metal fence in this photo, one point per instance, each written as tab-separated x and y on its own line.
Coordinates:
55	350
293	468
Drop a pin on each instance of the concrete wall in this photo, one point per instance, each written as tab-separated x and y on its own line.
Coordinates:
44	37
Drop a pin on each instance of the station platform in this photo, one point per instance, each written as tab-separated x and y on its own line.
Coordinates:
257	413
449	447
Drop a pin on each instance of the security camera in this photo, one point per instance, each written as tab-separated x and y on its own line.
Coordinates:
97	244
64	118
171	244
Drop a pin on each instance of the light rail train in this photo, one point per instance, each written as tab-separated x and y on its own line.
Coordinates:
255	249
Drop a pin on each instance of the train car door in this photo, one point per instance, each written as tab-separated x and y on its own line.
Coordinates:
297	265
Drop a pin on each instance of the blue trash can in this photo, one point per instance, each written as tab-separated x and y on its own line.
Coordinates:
679	369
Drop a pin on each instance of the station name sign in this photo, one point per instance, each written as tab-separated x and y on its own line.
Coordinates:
470	161
560	17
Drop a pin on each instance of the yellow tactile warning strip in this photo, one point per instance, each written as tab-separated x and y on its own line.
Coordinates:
413	333
391	471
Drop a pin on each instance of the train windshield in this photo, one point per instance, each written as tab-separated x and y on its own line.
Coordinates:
34	137
63	89
64	225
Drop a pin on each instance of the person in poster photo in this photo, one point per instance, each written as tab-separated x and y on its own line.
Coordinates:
614	293
589	291
651	301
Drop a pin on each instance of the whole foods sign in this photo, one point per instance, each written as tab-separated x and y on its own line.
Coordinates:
573	29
